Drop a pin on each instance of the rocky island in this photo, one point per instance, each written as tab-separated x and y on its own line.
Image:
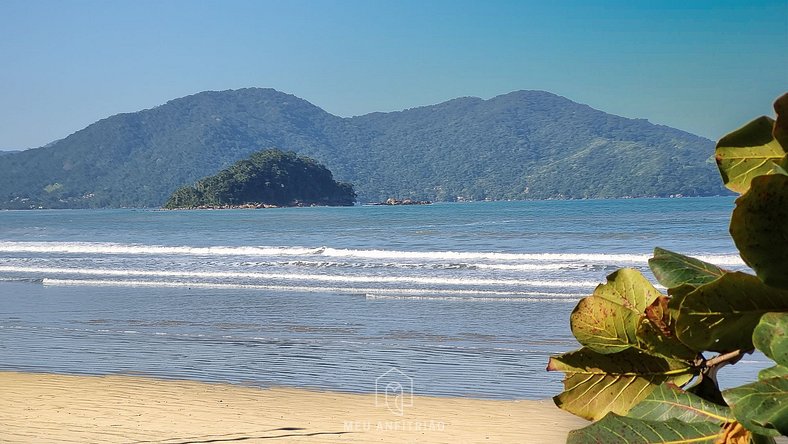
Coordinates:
269	178
406	201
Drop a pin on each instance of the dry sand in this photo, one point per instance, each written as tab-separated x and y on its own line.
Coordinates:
41	408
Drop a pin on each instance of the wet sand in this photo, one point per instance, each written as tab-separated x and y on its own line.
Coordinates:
49	408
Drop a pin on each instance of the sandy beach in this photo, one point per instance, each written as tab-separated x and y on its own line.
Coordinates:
43	408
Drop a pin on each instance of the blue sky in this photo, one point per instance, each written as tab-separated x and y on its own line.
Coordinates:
701	66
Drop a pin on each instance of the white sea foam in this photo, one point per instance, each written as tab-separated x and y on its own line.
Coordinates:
378	297
296	288
300	277
136	249
526	267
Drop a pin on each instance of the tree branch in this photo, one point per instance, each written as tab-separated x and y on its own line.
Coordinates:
727	358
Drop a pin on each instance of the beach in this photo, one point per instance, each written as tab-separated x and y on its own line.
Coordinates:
281	325
43	408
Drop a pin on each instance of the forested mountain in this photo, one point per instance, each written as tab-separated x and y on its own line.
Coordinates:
270	177
521	145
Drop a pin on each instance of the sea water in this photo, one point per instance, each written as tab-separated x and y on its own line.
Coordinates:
464	299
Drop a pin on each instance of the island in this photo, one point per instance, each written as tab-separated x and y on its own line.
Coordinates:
406	201
268	178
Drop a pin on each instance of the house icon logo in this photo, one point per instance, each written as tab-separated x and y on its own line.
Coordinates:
394	390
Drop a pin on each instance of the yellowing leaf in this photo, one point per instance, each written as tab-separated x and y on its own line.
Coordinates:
747	153
607	321
668	401
596	384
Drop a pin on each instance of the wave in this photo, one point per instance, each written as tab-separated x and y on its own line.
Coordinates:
301	277
412	266
295	288
377	297
136	249
22	280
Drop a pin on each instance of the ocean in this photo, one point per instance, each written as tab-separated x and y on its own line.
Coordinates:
460	299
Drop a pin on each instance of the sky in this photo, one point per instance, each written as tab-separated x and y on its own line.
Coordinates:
706	67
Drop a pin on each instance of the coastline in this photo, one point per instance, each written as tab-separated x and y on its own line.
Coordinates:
39	407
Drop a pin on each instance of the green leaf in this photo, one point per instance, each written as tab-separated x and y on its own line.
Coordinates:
760	439
771	337
667	401
673	270
721	316
596	384
677	295
623	430
780	131
773	372
748	153
759	227
607	321
761	406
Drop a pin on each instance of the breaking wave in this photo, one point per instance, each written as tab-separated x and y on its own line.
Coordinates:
267	251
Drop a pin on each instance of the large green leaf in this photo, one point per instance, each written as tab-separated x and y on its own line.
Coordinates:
759	227
677	295
761	406
771	337
673	270
773	372
747	153
596	384
668	401
623	430
721	316
607	321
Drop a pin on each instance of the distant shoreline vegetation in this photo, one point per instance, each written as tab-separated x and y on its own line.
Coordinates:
525	145
267	179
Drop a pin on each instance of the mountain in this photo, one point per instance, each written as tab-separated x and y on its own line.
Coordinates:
269	177
6	152
521	145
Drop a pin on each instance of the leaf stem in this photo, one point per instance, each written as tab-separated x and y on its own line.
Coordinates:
727	358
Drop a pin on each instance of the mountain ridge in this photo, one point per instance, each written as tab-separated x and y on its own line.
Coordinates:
520	145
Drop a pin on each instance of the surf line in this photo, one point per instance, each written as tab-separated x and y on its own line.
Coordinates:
301	277
295	288
140	249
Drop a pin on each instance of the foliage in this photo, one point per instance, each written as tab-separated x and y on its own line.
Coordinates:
643	373
270	177
522	145
598	383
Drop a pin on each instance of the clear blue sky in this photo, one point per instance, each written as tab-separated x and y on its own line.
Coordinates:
702	66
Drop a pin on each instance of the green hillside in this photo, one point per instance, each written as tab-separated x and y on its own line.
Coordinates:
522	145
269	177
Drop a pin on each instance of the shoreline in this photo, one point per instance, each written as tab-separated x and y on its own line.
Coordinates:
45	407
376	203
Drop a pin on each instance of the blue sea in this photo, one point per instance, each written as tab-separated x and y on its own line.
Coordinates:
463	299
